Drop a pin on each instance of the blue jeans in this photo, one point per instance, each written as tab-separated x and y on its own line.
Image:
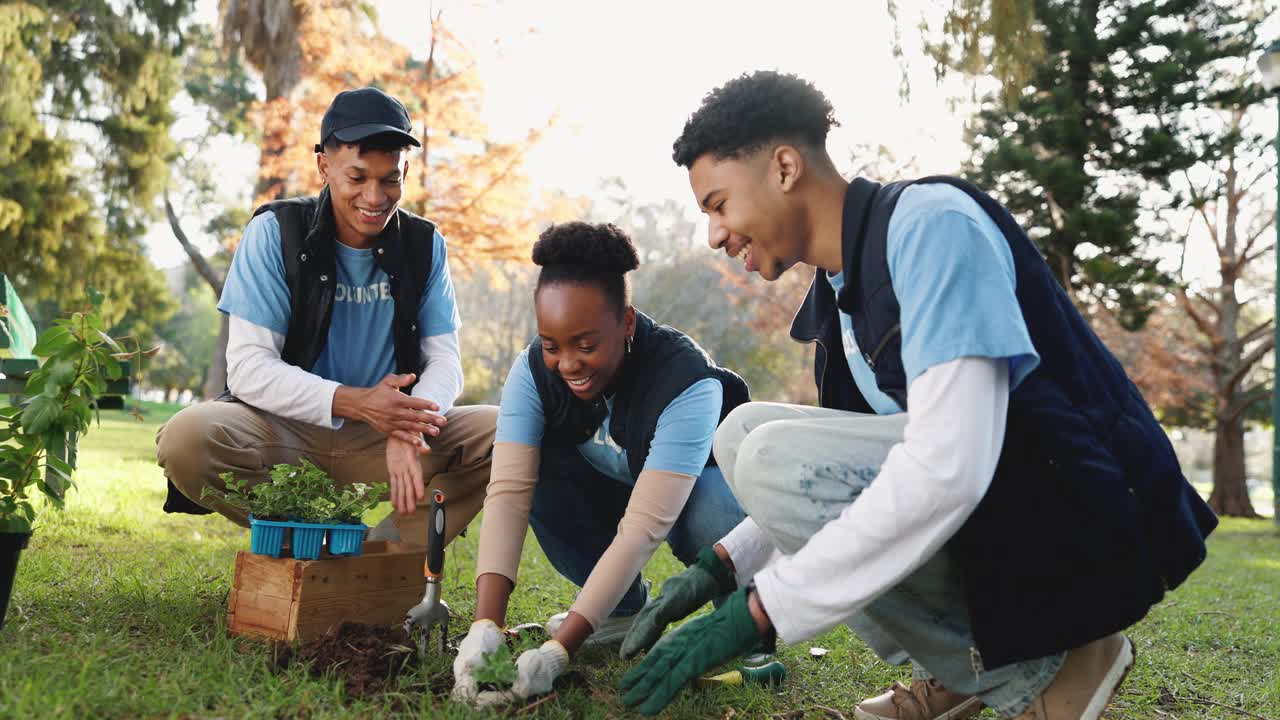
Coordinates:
576	510
796	468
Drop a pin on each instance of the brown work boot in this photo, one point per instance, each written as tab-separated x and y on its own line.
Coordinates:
924	700
1089	677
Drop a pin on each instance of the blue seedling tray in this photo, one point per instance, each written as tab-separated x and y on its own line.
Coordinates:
346	539
267	538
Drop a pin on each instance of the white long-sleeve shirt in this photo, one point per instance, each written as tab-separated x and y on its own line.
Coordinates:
258	375
928	486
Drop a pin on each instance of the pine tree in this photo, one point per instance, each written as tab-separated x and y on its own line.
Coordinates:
1097	125
85	88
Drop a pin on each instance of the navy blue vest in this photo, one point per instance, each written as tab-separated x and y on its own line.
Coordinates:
662	364
1088	520
307	236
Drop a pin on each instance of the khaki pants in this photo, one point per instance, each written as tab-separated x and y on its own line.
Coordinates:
204	440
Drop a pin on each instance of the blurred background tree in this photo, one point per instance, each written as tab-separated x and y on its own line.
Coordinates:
85	92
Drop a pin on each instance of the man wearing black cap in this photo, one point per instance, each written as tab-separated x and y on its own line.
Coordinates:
343	343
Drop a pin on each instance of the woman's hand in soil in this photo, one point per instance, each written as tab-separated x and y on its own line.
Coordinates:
405	473
536	672
483	638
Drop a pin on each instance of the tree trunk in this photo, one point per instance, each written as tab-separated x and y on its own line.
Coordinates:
1230	496
216	382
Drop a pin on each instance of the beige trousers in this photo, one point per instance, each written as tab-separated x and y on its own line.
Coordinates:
210	438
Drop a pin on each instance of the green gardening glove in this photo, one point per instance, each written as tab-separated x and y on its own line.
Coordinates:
708	578
698	646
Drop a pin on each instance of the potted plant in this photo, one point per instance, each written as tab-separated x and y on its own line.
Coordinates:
38	437
347	531
265	501
304	500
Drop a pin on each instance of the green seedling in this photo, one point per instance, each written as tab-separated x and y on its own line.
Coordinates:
497	670
356	500
299	492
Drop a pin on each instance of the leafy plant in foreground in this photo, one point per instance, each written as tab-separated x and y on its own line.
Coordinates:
37	439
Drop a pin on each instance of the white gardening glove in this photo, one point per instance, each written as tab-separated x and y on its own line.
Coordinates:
536	672
483	638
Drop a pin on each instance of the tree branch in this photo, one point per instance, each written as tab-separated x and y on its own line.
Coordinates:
1186	235
1258	331
1248	361
1256	234
85	120
1267	172
1250	258
1211	226
516	158
1205	327
197	259
1244	400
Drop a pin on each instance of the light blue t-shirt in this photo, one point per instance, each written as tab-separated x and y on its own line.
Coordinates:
360	349
952	271
681	442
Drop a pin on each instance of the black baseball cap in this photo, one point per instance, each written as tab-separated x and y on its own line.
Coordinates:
357	114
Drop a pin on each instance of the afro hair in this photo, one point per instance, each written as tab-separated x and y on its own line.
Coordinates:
580	253
747	112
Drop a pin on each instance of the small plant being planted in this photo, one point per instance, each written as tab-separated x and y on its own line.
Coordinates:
497	670
304	499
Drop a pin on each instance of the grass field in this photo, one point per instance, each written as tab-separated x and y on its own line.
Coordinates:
119	611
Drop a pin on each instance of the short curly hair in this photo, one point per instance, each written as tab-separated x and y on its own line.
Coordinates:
580	253
742	115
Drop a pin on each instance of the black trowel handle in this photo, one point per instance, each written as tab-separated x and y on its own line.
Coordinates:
435	537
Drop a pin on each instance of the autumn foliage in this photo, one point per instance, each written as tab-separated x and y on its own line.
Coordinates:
471	186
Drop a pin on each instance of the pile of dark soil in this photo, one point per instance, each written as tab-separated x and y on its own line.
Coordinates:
367	658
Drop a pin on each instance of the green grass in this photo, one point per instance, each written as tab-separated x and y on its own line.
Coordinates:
119	611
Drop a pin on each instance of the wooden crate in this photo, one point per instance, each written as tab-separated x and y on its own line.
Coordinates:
287	599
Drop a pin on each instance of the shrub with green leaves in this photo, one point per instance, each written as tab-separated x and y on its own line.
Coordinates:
302	492
37	439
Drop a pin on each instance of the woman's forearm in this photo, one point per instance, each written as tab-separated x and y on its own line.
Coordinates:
492	592
506	509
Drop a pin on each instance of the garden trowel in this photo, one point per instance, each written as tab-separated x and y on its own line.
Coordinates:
431	611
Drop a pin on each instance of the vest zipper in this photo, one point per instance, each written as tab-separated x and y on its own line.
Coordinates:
822	372
893	332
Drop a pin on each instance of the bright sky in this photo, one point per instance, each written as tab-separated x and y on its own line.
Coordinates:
622	77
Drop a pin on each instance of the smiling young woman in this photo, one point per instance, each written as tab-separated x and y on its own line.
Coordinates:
603	447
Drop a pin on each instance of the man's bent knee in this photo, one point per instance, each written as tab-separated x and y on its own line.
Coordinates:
755	484
201	441
727	442
182	449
